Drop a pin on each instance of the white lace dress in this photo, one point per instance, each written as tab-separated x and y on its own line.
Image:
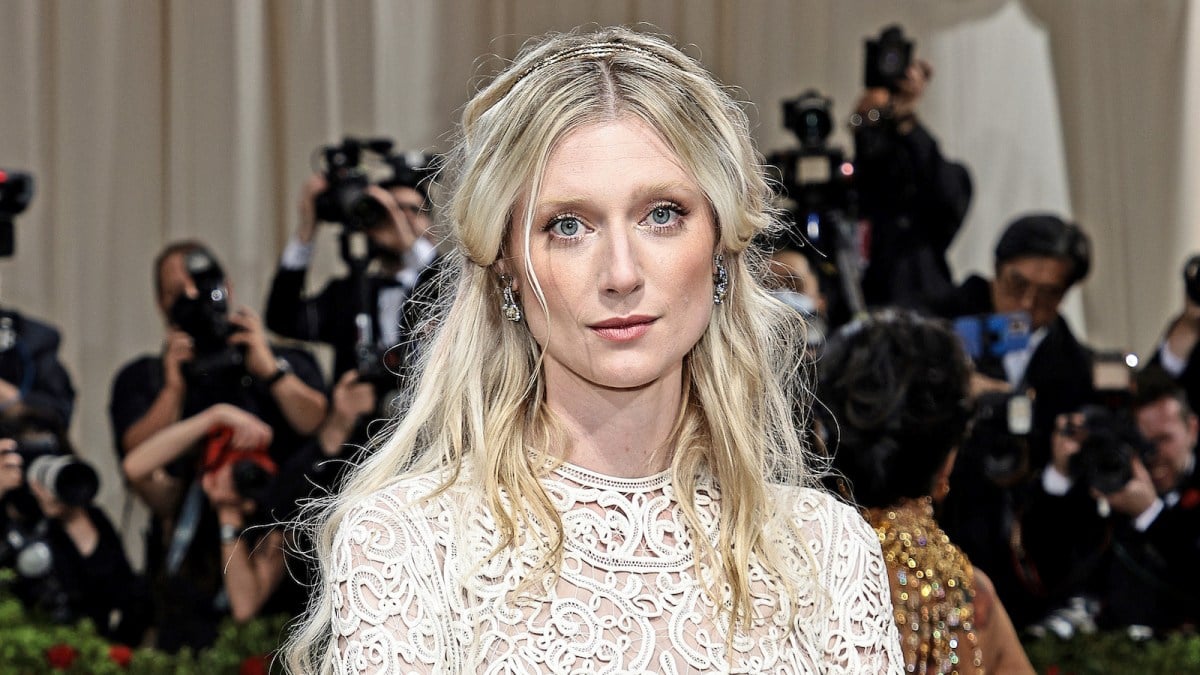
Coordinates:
414	589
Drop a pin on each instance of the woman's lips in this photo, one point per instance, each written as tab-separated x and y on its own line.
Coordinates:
623	329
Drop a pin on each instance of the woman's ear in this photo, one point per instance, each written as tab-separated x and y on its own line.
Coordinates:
941	480
502	269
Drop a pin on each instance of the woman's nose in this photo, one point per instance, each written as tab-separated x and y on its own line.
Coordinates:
622	269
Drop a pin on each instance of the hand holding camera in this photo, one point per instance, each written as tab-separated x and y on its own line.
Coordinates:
1066	441
1137	495
247	432
894	81
249	335
401	220
313	186
236	466
178	349
222	493
352	398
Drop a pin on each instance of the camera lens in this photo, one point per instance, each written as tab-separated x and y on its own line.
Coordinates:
71	481
366	213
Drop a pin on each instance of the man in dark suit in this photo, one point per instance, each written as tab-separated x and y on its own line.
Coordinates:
404	261
1037	259
912	201
31	376
1135	549
1156	584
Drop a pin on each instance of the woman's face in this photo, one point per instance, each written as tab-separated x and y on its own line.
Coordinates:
622	243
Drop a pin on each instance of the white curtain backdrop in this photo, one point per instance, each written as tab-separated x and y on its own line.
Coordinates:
145	121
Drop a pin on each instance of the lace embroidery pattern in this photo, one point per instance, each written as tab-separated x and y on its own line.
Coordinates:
414	590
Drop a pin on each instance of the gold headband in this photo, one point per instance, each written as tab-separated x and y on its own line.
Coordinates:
592	50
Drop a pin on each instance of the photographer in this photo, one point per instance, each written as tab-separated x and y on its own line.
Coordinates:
219	386
1038	258
269	570
1020	387
316	466
911	199
1125	530
1177	354
31	376
69	559
399	245
254	558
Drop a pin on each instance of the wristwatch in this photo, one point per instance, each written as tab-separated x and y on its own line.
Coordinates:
230	533
282	367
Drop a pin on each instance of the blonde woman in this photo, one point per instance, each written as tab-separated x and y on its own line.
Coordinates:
580	481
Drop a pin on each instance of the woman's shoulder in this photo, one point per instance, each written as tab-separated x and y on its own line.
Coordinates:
818	506
411	503
830	526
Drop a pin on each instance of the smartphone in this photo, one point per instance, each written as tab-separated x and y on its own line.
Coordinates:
993	335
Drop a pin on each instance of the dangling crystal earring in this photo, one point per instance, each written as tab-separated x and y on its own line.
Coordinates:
510	308
720	279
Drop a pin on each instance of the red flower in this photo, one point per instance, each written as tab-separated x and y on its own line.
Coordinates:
61	656
1190	499
253	665
120	655
1053	670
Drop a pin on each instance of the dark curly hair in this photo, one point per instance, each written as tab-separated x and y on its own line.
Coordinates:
895	402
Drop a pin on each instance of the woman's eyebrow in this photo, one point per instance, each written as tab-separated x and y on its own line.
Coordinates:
642	193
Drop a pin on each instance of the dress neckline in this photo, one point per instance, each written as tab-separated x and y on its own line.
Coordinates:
595	479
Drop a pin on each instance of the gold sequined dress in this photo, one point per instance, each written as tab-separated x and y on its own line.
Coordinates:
932	590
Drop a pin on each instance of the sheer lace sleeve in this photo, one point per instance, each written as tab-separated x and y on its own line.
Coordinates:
390	613
862	635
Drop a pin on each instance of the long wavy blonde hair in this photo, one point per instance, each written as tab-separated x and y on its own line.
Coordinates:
478	399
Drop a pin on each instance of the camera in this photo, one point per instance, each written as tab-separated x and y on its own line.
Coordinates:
1108	445
378	365
345	200
252	469
16	191
1108	438
1191	278
67	478
999	436
888	58
206	319
816	177
820	182
993	335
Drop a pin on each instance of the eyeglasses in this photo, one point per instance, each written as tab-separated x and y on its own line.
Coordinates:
1014	284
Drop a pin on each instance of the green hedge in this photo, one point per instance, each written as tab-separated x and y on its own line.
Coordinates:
29	646
1114	654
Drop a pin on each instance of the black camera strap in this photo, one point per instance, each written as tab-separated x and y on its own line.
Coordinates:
185	528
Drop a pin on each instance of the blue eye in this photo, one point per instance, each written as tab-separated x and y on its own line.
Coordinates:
567	226
665	216
661	215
